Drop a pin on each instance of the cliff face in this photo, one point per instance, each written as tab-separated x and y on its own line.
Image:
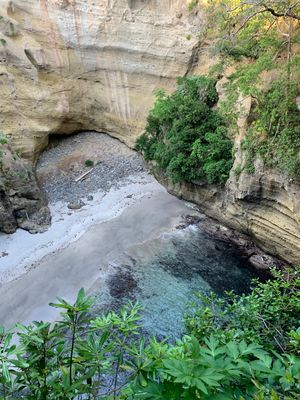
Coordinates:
264	206
22	204
69	65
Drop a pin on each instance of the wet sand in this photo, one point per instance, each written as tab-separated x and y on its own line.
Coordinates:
89	260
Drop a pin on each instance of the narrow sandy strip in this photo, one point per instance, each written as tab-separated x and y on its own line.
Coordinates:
22	250
89	260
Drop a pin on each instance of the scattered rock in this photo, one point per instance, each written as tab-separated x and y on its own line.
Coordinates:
192	219
59	166
76	205
262	262
121	284
259	260
90	197
189	220
180	226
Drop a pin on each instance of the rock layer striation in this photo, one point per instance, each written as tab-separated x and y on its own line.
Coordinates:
71	65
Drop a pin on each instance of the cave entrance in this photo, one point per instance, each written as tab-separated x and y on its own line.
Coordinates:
75	166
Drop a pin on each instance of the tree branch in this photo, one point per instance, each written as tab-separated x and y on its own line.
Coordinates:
288	13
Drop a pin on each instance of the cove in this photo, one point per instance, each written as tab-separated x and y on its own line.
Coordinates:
129	241
166	274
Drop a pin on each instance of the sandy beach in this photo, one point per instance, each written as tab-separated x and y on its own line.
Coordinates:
81	247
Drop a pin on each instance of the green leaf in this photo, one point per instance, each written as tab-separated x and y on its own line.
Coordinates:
5	372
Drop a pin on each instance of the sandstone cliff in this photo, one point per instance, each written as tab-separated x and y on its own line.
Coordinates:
22	203
264	205
69	65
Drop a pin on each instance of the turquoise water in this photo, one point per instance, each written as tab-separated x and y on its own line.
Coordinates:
164	274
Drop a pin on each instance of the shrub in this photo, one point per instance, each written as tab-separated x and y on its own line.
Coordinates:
230	352
89	163
266	316
274	135
70	358
3	139
185	136
192	4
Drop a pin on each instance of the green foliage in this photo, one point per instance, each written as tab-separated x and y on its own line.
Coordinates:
11	31
274	135
192	4
217	371
231	352
89	163
267	316
3	139
238	170
185	136
73	357
258	37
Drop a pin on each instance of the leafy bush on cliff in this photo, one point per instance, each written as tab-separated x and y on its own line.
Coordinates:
274	134
266	316
231	352
260	40
185	136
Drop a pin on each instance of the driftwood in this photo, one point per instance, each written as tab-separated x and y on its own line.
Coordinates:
83	176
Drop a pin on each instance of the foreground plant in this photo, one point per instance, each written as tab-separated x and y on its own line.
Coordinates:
78	355
231	352
269	315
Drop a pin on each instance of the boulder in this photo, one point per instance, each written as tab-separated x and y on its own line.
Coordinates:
22	203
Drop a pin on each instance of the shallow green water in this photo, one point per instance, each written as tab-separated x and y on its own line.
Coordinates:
164	275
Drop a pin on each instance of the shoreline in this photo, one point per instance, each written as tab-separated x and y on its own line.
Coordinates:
23	251
122	207
90	259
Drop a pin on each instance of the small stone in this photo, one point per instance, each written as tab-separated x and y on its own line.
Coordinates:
90	197
76	205
180	226
259	262
192	219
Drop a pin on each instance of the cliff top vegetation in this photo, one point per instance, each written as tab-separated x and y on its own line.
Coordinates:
260	40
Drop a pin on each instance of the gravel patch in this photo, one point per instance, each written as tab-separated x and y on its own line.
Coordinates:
59	166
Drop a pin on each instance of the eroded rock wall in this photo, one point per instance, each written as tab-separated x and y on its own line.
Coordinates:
264	206
69	65
22	203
